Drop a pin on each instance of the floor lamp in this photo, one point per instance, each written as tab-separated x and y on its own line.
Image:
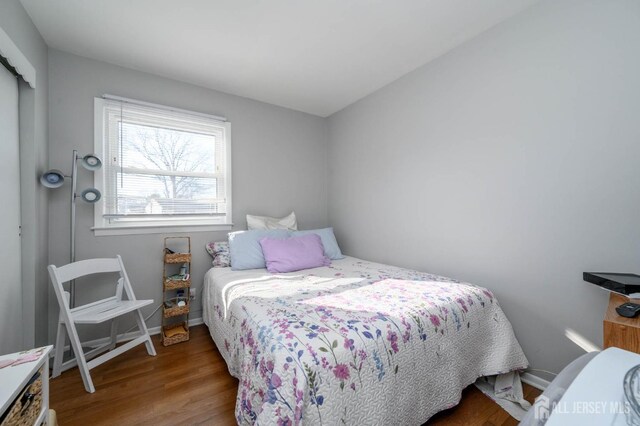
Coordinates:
55	179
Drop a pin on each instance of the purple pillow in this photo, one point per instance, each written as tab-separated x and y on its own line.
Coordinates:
294	254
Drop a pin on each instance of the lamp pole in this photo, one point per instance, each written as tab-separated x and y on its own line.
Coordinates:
74	170
54	178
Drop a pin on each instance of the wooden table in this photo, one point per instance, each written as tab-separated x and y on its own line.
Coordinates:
620	331
15	378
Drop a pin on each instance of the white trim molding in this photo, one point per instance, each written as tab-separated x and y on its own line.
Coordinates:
16	59
107	221
137	230
533	380
160	106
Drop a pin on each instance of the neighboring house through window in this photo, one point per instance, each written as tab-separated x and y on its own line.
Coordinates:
163	167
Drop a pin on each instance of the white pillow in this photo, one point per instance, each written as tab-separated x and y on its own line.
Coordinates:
264	222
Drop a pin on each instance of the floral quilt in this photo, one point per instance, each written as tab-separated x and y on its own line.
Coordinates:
354	343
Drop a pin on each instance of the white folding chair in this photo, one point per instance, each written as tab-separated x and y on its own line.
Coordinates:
97	312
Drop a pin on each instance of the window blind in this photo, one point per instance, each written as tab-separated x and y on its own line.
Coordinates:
162	163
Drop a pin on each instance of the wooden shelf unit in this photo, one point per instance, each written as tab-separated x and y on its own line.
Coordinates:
175	319
619	331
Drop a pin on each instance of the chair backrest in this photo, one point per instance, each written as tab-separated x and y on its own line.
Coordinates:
83	268
86	267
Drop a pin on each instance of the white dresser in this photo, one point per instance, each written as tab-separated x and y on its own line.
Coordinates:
15	378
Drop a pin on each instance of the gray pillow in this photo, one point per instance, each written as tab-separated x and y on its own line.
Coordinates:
245	249
331	248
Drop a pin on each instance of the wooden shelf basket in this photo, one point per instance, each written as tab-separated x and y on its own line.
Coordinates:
176	310
177	258
183	336
28	405
170	284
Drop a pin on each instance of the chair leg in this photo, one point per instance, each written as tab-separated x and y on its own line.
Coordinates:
61	337
82	362
143	328
114	333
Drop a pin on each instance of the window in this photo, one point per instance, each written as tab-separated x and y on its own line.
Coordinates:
163	168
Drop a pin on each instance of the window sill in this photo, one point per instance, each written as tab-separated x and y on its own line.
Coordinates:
158	229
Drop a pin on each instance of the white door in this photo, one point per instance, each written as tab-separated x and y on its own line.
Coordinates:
10	278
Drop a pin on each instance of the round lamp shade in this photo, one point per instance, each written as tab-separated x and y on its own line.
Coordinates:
91	195
52	178
91	162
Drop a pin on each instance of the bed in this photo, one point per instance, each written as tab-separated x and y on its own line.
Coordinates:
355	342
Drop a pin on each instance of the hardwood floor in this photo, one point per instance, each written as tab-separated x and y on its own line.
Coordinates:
476	409
188	384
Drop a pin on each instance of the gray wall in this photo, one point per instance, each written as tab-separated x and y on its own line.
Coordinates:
511	162
33	160
279	165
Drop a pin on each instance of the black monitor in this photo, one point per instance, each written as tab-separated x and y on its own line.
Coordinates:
624	284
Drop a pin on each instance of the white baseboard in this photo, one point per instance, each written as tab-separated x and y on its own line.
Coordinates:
125	336
535	381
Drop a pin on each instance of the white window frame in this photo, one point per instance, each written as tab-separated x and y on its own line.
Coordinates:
104	227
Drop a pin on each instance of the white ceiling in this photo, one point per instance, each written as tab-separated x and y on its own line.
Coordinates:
316	56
